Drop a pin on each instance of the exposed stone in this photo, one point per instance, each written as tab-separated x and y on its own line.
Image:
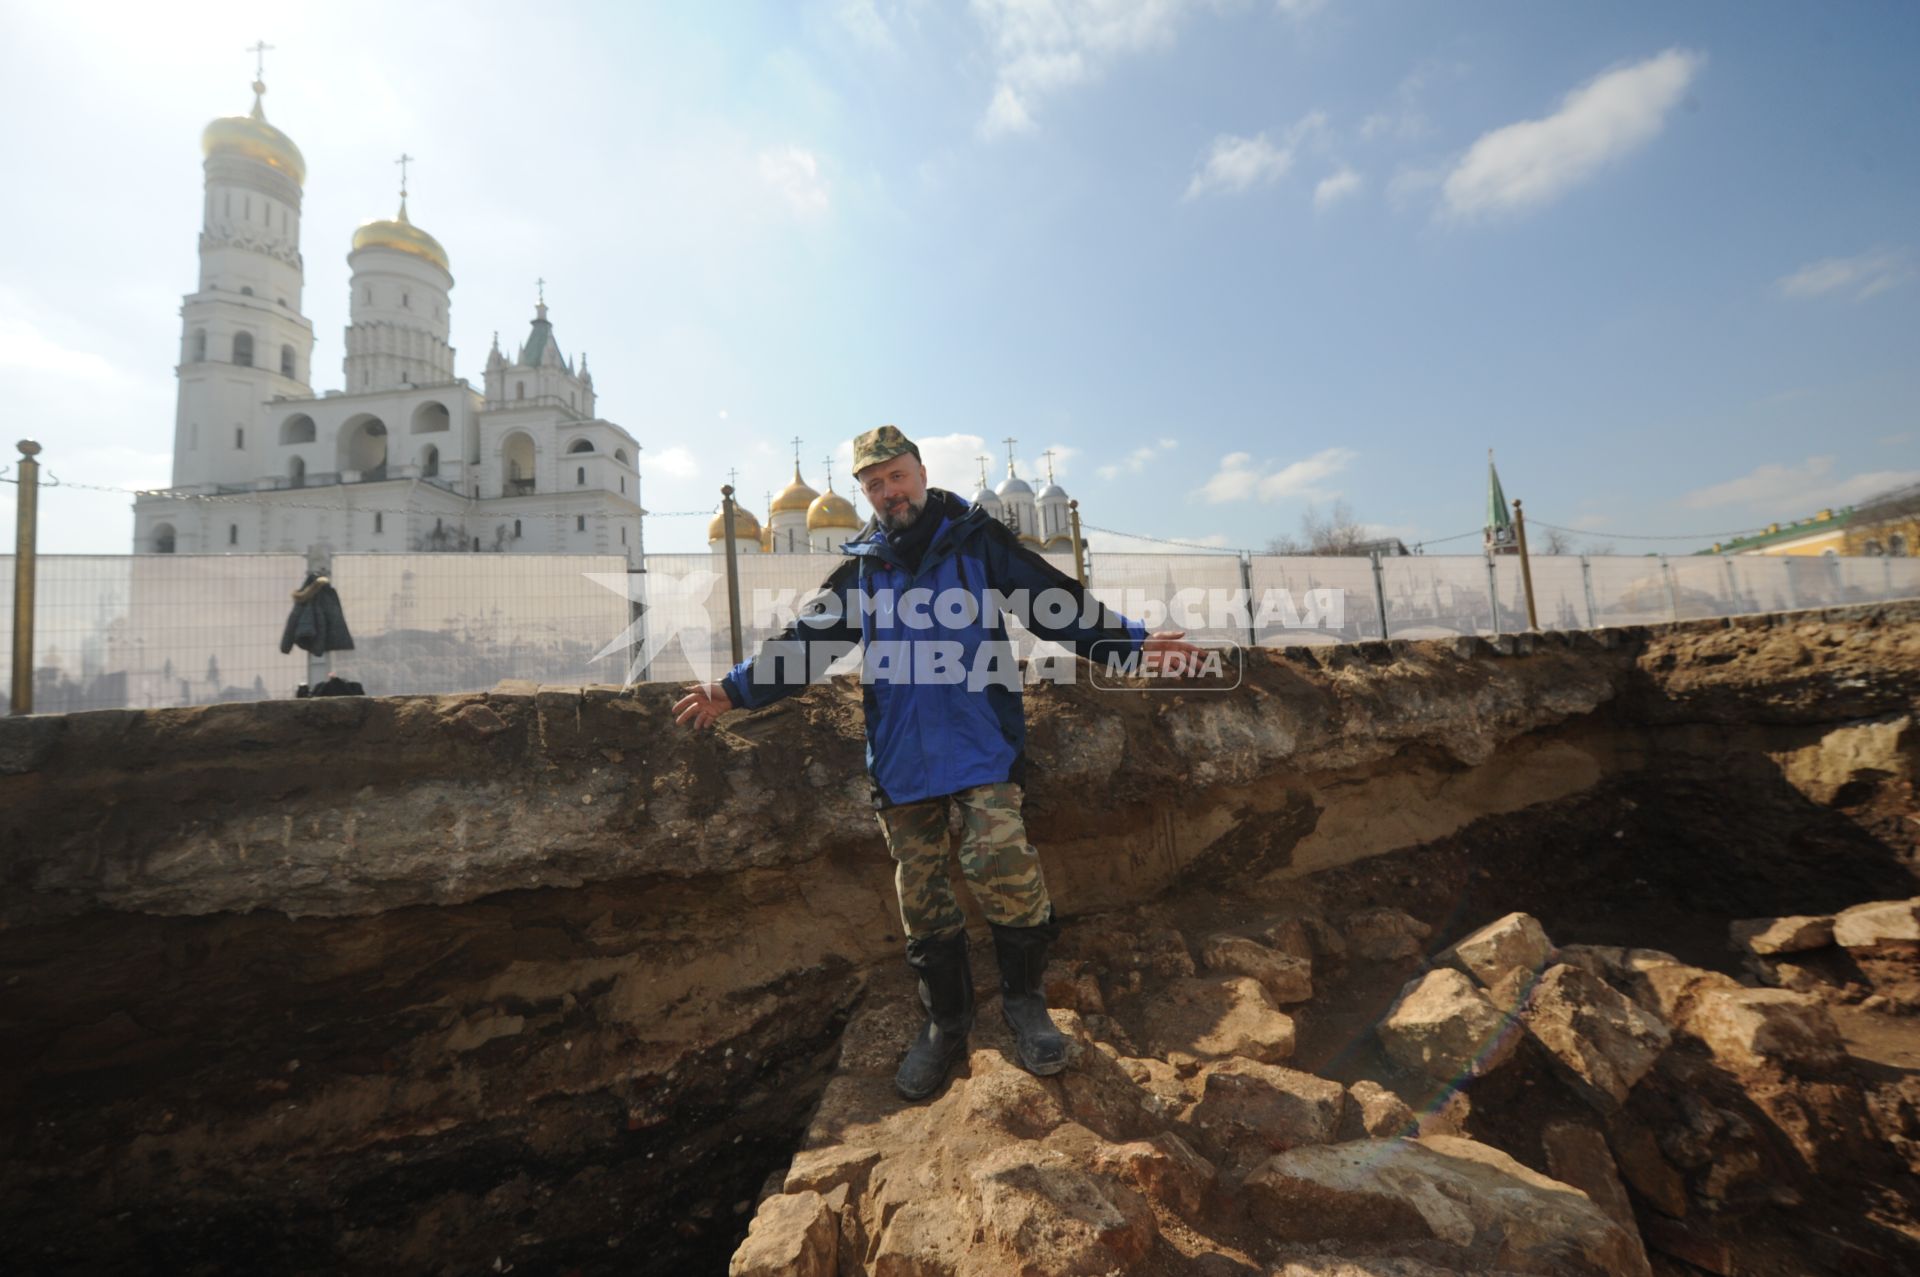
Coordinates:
1491	1211
1516	942
1752	1028
1385	934
792	1235
1578	1155
1009	1099
1597	1041
1291	937
1850	759
1070	986
1046	1215
1285	978
1444	1027
1164	1168
1637	1153
1668	989
1781	935
1877	922
1374	1110
1248	1111
1218	1017
821	1170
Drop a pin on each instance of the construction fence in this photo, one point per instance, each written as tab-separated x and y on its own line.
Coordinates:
152	630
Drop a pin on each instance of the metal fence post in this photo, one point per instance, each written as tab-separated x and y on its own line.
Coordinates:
1379	593
26	518
1079	546
1493	592
1673	594
1733	585
1586	584
733	572
1246	583
637	617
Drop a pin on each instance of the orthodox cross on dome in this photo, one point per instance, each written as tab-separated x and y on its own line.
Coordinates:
733	477
1048	454
403	161
259	50
540	308
1010	441
983	459
827	461
796	456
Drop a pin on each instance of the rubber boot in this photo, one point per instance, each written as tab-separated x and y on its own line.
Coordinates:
1022	952
946	990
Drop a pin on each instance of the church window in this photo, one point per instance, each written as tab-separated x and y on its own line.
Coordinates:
569	399
286	361
580	477
579	523
430	463
297	473
369	294
199	345
406	300
246	290
623	534
243	349
163	539
379	521
246	210
476	545
240	436
519	390
623	485
233	534
193	436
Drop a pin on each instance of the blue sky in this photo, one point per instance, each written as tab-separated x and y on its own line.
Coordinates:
1225	258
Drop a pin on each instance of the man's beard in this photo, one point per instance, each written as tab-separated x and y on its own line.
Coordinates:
906	518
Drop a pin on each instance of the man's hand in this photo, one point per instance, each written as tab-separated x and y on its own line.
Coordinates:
1174	655
703	704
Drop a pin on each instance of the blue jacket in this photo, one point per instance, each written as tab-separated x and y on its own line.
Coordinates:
932	731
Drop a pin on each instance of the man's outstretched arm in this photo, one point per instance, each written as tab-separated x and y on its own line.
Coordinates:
784	664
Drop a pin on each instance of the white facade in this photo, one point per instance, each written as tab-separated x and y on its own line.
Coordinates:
408	457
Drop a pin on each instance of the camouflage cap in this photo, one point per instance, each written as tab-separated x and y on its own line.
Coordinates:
881	444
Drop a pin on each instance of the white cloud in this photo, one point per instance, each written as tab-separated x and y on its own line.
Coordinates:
675	462
794	174
1336	187
1863	275
1533	162
1136	461
1238	479
1791	491
1041	47
1234	164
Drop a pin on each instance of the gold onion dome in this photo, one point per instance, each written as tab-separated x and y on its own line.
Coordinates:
250	137
796	497
402	236
745	526
831	510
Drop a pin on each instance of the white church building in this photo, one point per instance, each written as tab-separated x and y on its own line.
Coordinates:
408	456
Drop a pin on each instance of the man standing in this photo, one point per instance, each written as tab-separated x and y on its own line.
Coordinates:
923	591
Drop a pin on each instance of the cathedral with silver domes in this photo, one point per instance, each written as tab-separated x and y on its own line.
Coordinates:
407	456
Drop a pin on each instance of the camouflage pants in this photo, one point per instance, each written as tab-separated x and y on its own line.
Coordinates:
1001	866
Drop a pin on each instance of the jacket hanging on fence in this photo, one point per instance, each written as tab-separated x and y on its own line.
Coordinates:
316	624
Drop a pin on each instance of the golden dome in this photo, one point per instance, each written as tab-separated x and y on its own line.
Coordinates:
402	236
251	138
745	527
831	510
796	497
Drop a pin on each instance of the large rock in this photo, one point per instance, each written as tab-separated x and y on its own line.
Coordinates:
1444	1027
1285	977
1385	934
1600	1043
1877	922
1218	1017
1781	935
1374	1110
1578	1155
1752	1028
1636	1151
1516	942
1164	1168
792	1235
1248	1111
1492	1212
1045	1215
1848	761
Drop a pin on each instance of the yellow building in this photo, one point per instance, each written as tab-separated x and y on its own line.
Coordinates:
1888	524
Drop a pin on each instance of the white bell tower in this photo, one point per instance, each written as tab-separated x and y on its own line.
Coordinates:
243	338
